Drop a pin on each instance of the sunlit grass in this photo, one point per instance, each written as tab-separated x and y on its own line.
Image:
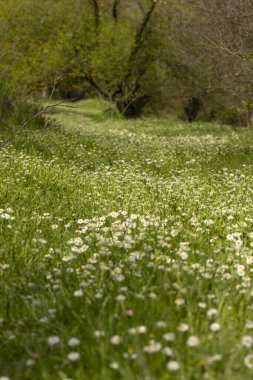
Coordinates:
126	250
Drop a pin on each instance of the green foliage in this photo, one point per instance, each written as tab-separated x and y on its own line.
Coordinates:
113	60
147	56
15	109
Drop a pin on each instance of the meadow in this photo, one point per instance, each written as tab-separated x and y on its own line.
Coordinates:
126	250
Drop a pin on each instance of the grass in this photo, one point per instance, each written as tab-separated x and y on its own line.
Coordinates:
135	238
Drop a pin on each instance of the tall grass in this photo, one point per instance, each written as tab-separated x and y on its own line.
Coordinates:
15	109
126	251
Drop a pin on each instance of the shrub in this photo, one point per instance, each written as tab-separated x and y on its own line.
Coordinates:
15	109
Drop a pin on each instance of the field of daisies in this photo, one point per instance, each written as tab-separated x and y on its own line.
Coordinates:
126	250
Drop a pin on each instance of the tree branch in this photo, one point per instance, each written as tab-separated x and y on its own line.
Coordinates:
115	10
89	78
142	29
96	9
139	38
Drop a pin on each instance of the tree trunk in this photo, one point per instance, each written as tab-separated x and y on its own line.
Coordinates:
192	106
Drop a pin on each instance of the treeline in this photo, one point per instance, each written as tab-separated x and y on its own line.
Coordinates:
190	57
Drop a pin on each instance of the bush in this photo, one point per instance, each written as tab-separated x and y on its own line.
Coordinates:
15	109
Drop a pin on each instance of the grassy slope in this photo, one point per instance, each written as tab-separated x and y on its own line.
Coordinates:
69	268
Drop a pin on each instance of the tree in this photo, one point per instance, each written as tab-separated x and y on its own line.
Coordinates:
93	45
223	32
132	62
193	56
